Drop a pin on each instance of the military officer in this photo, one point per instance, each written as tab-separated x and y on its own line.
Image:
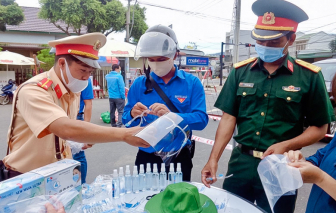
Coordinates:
268	98
46	106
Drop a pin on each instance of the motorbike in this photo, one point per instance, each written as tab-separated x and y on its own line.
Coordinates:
7	92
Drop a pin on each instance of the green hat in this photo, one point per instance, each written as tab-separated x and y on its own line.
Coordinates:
180	198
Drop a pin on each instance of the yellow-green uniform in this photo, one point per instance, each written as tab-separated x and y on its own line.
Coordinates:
270	108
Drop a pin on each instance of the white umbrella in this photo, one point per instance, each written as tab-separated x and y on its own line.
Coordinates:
10	58
117	49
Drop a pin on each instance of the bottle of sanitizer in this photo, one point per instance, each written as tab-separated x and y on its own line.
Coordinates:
122	181
163	177
171	174
142	179
128	180
115	185
135	180
148	177
179	175
156	178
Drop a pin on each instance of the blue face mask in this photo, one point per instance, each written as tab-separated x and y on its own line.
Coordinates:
75	177
269	54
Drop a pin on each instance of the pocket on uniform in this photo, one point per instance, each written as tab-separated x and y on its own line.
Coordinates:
288	106
247	97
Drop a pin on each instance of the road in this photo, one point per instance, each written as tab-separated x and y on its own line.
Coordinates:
103	158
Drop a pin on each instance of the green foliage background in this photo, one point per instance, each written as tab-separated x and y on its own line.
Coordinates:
10	14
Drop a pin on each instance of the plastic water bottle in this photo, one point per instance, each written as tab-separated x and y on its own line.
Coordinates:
156	178
171	174
149	175
179	175
142	179
135	180
128	180
115	185
163	177
122	181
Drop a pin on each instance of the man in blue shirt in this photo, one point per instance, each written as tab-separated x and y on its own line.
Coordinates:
84	114
116	90
159	45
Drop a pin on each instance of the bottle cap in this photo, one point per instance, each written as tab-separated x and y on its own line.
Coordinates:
178	169
155	169
135	170
171	168
148	168
115	173
163	167
128	172
142	169
121	171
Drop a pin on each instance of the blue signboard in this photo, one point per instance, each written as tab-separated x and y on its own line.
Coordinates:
197	61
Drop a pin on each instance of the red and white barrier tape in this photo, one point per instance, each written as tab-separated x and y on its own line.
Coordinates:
208	141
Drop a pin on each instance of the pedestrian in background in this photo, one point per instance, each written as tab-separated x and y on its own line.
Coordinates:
116	90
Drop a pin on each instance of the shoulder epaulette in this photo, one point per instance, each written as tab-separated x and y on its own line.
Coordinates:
309	66
243	63
45	83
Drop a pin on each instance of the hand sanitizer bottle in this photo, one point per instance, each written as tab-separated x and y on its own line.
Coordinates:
142	179
135	180
179	176
156	178
128	180
148	177
122	181
171	174
115	185
163	177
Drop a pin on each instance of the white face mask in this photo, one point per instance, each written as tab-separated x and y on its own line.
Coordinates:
161	68
75	85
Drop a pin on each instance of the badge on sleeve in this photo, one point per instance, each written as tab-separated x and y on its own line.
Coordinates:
291	89
246	85
180	98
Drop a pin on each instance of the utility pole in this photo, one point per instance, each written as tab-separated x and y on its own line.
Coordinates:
127	73
221	66
236	31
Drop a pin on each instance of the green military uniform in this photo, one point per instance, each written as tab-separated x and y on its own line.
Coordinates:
269	108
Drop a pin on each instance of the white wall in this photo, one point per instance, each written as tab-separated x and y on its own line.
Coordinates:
26	37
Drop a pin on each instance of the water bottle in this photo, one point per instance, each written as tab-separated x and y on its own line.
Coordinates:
179	178
163	177
142	179
171	174
122	181
115	185
155	179
128	180
148	177
135	180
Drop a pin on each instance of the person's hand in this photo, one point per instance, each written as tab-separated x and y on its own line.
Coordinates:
50	208
133	140
278	148
158	109
294	156
209	171
86	146
138	109
309	172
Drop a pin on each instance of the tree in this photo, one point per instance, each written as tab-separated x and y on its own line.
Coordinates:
48	59
332	45
10	14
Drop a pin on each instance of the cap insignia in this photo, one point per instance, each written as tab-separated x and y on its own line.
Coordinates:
268	18
97	45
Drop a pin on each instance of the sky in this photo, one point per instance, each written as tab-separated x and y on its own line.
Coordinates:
206	22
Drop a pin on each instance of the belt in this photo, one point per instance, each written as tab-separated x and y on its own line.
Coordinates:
251	151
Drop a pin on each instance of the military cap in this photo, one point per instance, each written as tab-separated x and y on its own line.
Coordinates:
84	47
276	18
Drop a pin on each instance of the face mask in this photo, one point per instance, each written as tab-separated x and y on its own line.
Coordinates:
161	68
75	85
269	54
75	177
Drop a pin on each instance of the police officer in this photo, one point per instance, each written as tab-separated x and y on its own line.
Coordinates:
160	46
46	106
268	98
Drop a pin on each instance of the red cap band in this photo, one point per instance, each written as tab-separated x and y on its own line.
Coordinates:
63	49
281	24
